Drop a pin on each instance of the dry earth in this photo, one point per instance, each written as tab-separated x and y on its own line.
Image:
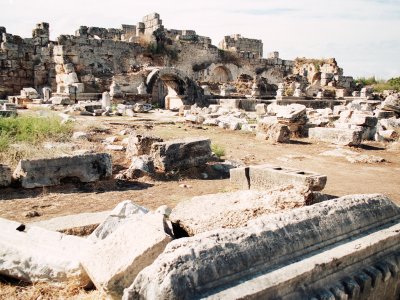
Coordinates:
344	177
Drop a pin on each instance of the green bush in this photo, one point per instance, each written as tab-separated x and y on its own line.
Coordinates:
218	150
33	130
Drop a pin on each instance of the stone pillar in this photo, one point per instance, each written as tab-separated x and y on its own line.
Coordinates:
46	94
255	91
281	90
297	91
141	89
106	100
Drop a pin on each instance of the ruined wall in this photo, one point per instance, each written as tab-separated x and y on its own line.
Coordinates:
237	43
95	61
26	62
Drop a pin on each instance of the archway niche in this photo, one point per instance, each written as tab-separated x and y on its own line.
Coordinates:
220	74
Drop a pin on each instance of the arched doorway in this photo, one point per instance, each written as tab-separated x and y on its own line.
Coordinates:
170	88
220	74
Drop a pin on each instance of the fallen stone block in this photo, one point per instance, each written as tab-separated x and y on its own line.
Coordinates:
276	133
293	113
286	255
52	171
113	263
59	100
73	224
141	166
122	213
363	120
235	209
8	113
264	177
261	109
5	175
392	103
345	137
181	154
141	144
33	254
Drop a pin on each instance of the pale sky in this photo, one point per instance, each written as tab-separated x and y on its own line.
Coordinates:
363	35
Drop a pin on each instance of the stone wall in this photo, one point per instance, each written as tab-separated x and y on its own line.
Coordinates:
246	46
26	62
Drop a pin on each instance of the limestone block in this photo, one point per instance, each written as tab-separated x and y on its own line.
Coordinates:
51	171
46	93
275	255
141	166
276	133
113	263
120	215
141	144
5	175
293	113
363	120
232	210
9	46
106	100
384	114
181	154
261	109
29	93
70	78
37	255
264	177
78	88
345	137
61	100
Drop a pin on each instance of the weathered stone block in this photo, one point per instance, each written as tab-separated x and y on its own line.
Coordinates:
51	171
5	175
363	120
236	209
278	133
278	255
261	109
121	214
113	263
264	177
181	154
346	137
36	255
141	144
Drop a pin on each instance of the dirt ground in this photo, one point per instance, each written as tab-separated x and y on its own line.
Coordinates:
72	198
343	177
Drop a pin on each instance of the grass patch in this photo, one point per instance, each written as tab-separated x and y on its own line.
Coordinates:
218	150
22	137
32	130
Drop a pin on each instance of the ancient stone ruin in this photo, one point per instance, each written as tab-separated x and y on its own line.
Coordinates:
274	234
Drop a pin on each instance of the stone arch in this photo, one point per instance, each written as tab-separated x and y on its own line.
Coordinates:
220	73
167	85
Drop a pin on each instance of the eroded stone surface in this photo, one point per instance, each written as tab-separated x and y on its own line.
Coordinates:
37	255
228	260
233	210
181	154
113	263
51	171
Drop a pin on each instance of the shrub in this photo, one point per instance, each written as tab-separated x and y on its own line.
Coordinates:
218	150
